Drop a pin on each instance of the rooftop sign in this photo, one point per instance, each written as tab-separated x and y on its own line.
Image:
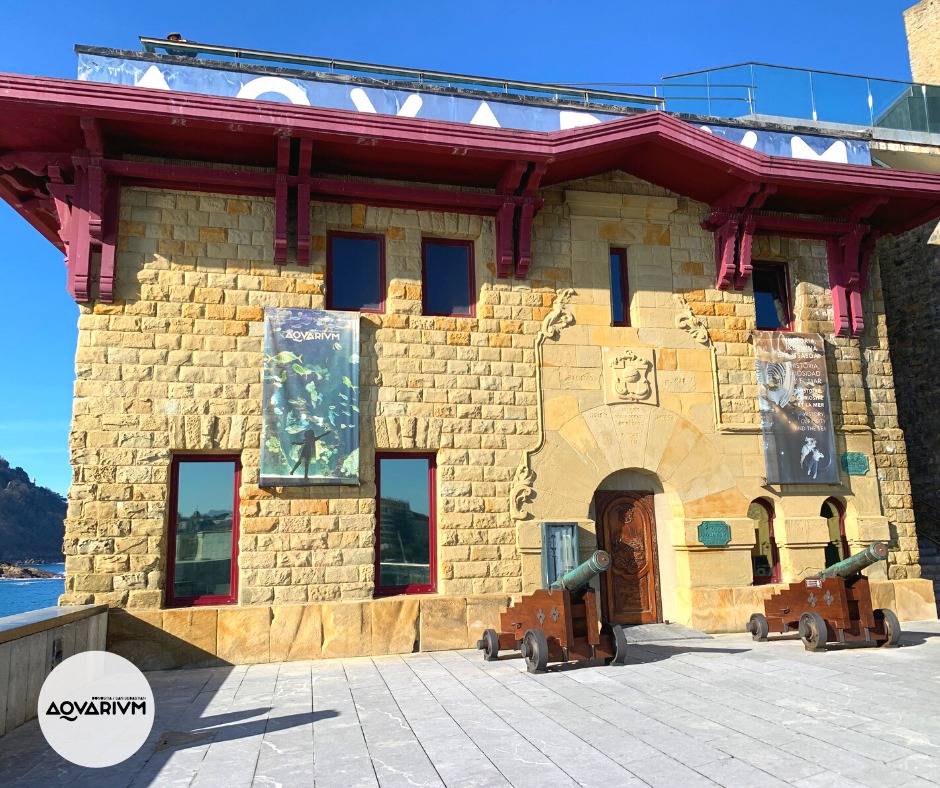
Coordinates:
472	107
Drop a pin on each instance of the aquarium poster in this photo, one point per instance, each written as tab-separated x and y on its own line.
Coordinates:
310	427
796	422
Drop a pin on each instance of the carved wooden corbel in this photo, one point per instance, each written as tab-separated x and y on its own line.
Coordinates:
303	202
732	223
281	201
505	220
529	208
848	257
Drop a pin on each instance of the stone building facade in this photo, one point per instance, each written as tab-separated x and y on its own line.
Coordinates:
173	365
519	406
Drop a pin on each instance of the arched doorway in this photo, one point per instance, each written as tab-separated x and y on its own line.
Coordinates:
626	528
837	549
765	557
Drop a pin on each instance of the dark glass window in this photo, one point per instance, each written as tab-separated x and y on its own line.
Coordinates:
619	289
355	272
203	533
765	558
448	277
837	549
771	297
405	528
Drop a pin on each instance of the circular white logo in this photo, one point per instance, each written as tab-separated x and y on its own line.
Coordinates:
96	709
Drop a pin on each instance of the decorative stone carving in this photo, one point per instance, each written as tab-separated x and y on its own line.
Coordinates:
522	490
629	376
558	318
688	322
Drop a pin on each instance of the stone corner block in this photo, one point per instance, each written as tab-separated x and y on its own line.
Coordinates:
191	634
395	625
347	629
296	632
243	634
443	623
138	637
483	613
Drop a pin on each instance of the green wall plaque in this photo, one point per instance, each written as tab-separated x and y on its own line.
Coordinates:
854	463
714	533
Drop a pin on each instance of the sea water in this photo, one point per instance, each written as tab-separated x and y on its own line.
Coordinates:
20	596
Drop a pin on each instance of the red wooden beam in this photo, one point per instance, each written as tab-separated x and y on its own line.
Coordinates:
109	240
303	202
187	176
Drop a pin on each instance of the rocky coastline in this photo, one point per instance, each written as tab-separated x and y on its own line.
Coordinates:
24	572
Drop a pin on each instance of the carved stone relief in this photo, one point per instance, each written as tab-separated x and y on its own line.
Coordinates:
630	376
688	322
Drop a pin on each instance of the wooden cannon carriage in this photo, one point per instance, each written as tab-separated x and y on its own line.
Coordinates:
559	624
834	606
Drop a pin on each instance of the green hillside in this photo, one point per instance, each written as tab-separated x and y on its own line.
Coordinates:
32	519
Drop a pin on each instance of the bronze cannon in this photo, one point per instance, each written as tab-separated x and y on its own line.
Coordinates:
558	624
832	606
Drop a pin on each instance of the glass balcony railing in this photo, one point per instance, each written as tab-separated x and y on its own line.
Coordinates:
750	89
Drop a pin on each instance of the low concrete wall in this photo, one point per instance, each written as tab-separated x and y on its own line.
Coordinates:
27	655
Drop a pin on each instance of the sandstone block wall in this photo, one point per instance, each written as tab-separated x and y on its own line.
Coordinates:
922	25
174	366
914	327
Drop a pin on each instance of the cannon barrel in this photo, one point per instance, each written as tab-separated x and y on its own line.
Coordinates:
581	575
876	551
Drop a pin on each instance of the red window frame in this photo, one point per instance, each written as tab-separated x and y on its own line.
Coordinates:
330	263
471	277
836	504
782	272
620	291
217	599
422	588
774	551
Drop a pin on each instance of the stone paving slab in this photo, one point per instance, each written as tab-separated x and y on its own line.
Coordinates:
687	710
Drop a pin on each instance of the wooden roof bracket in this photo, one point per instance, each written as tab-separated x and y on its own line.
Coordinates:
281	206
505	221
530	206
848	257
732	223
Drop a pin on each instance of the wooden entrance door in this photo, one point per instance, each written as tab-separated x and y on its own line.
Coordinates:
626	528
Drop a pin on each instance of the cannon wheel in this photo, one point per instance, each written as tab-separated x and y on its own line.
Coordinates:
813	631
758	627
892	626
490	645
620	645
535	650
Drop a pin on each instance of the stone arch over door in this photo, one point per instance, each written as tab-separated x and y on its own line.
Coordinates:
694	483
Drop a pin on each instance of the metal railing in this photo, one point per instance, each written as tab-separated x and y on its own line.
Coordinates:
820	96
740	91
554	92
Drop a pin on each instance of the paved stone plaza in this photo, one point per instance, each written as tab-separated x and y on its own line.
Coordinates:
684	712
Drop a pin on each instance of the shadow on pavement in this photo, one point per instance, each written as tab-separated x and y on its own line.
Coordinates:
637	654
224	727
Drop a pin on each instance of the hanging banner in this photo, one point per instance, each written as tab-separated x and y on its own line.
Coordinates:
796	422
310	414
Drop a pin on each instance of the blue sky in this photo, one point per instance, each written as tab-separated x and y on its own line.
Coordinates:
545	41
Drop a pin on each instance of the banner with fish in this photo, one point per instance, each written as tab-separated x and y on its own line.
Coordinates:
795	418
310	416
